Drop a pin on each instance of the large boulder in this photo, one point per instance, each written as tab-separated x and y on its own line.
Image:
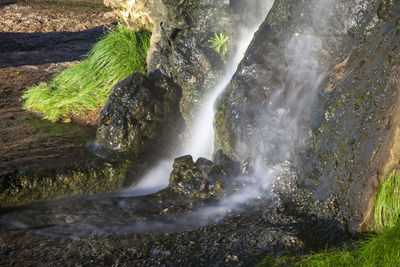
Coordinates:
180	38
141	114
329	66
355	136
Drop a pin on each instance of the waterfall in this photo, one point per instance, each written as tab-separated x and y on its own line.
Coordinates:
201	132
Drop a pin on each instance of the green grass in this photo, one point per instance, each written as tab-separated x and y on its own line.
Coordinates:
387	204
86	86
382	249
379	249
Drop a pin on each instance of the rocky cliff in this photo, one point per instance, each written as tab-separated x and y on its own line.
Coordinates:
334	70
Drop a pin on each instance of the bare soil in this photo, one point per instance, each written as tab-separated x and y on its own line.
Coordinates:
30	17
36	41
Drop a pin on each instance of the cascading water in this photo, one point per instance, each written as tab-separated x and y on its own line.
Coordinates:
271	101
201	132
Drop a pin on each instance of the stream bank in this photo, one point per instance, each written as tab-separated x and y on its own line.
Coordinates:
39	159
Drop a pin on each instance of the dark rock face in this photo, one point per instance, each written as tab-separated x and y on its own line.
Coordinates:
354	123
355	141
180	46
141	114
268	100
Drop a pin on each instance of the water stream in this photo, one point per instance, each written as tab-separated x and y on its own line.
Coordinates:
201	132
280	128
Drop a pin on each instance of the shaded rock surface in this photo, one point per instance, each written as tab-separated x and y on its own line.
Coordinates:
142	113
353	63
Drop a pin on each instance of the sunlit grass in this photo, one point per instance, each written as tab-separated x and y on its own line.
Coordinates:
379	249
86	86
382	249
387	204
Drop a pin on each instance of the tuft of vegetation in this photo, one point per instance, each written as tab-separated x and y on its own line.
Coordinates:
219	43
379	249
387	203
382	249
85	87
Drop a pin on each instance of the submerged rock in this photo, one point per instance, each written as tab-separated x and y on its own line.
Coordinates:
142	113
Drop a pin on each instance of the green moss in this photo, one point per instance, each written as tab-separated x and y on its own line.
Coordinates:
86	86
224	138
90	177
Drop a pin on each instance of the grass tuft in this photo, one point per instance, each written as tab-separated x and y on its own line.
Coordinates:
387	203
379	249
382	249
86	86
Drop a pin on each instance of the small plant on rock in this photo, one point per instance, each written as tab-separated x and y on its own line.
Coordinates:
219	43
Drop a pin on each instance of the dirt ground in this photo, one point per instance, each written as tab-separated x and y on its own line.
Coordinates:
30	16
36	41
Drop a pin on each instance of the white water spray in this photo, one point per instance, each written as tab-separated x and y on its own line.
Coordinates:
201	141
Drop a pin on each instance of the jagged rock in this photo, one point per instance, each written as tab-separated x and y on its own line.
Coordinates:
203	179
290	50
353	144
180	35
139	14
232	167
142	113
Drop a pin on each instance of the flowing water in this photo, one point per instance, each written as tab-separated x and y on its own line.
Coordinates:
201	132
280	129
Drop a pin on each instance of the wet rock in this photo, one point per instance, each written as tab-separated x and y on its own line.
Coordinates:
353	143
232	167
142	113
203	179
180	35
290	50
248	167
170	229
